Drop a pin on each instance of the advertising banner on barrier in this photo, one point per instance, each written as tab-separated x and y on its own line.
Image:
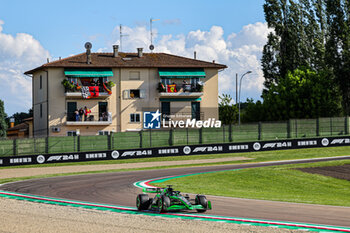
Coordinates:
177	150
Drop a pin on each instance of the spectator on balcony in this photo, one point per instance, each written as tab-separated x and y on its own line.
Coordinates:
81	113
93	83
100	87
86	112
76	112
185	86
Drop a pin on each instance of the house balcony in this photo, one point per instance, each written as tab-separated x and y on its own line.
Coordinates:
79	94
181	91
87	88
91	118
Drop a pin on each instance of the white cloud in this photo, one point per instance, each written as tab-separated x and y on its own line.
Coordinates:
18	54
239	51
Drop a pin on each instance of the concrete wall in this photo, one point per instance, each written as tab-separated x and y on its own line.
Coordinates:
40	101
57	106
148	82
209	102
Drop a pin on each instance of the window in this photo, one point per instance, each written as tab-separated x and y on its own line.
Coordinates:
71	107
135	117
41	110
73	80
71	133
134	75
194	81
134	94
165	81
105	79
103	111
41	82
165	108
103	132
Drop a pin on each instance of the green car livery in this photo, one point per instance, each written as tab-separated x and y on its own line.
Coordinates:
167	199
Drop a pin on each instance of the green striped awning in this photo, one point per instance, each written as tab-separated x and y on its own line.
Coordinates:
181	73
86	73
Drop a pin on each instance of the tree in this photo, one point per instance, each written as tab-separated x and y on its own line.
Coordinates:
302	94
228	113
20	116
338	46
3	125
253	112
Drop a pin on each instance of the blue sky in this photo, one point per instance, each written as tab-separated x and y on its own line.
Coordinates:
230	32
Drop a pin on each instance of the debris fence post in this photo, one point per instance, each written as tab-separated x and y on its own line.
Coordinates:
259	131
171	137
78	143
109	141
140	134
46	145
14	146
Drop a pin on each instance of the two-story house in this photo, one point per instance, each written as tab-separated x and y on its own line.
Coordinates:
98	93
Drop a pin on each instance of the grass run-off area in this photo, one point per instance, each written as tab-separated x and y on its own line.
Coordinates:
277	183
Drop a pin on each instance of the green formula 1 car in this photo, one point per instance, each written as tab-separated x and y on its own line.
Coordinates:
167	199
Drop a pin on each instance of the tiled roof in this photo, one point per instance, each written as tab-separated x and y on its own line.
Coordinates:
20	127
129	60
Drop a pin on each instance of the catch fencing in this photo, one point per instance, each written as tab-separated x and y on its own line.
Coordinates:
292	129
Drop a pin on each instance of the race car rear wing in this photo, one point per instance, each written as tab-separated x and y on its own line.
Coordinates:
153	190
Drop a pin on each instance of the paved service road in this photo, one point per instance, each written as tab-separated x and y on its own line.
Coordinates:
117	188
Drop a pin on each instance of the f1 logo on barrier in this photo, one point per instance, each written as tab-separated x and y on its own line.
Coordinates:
151	120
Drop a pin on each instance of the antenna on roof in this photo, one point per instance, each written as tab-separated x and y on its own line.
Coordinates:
151	47
121	35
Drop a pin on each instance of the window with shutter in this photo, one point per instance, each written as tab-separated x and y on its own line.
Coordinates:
142	94
126	94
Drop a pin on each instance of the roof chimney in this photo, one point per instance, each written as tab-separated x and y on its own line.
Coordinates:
195	55
12	122
139	52
88	56
88	47
115	50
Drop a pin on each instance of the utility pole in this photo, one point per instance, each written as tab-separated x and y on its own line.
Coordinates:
239	98
236	88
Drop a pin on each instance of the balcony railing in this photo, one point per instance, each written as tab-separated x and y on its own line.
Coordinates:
87	88
98	92
91	118
180	90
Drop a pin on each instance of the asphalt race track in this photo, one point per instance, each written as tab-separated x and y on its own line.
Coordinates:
117	189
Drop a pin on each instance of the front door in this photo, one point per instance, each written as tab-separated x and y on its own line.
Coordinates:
102	111
165	110
71	107
195	106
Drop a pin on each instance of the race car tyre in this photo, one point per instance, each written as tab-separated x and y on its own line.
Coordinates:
163	204
142	202
201	200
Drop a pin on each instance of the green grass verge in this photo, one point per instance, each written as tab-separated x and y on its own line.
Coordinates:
277	183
